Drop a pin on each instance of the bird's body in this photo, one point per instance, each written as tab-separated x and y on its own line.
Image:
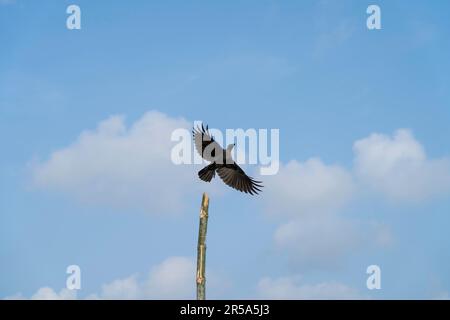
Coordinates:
222	162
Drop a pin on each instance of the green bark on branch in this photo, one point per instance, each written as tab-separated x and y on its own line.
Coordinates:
201	248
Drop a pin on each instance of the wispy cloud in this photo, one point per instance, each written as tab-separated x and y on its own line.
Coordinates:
312	212
120	166
47	293
397	167
293	288
319	188
173	278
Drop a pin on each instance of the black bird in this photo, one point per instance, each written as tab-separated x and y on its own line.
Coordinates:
222	162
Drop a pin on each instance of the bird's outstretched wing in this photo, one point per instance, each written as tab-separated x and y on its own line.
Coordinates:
236	178
205	144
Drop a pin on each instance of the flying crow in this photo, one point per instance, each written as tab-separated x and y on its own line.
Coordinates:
222	162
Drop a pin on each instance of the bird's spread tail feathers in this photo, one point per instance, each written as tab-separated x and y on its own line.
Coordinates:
208	172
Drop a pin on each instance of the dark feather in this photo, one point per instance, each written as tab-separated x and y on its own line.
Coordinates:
236	178
205	144
230	173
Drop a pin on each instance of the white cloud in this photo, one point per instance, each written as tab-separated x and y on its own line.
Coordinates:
127	288
173	278
318	241
292	288
323	241
398	167
121	167
311	187
46	293
310	195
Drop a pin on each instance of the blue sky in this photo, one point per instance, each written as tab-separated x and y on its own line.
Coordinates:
363	118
